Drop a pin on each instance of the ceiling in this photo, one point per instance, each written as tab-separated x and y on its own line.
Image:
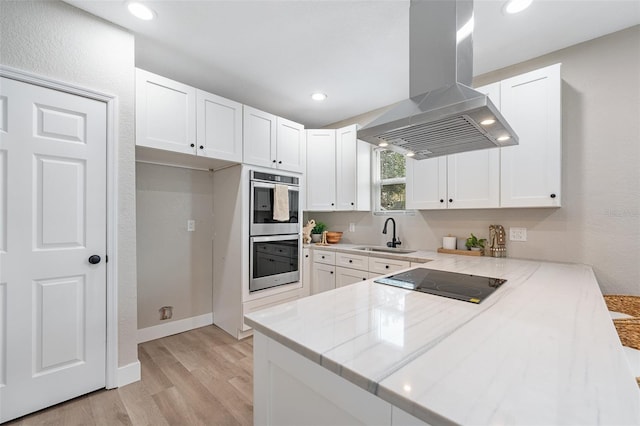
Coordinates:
273	54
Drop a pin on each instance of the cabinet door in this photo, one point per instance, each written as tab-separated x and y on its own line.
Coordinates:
346	276
427	183
363	184
306	272
473	179
346	168
531	170
165	113
259	130
290	146
219	127
323	279
321	170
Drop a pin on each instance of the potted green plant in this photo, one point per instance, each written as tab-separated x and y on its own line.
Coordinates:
317	231
473	243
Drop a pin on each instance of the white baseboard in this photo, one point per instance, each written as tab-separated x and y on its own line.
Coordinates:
128	374
174	327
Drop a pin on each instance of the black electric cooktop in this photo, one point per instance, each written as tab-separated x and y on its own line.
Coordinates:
470	288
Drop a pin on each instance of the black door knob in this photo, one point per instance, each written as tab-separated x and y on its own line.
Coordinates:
279	162
201	146
192	145
451	200
441	200
553	195
94	259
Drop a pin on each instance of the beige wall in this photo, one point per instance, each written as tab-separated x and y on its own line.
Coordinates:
56	40
174	265
599	223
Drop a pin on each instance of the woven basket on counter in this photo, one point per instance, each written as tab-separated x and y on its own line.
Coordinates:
624	304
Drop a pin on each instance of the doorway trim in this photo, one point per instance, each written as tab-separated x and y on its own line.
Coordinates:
111	101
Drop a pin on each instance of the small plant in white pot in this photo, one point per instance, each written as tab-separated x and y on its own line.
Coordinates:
475	244
316	232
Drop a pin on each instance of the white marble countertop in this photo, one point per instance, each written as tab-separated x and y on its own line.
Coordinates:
540	350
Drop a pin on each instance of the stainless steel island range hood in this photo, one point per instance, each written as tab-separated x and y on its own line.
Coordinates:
443	115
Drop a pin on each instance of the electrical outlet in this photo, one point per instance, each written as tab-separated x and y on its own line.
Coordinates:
352	227
518	234
166	312
191	225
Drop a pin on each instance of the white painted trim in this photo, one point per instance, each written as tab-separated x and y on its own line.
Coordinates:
128	374
111	362
174	327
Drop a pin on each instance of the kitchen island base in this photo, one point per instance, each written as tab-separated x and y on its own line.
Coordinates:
290	389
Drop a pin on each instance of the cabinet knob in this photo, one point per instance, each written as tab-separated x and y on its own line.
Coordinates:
350	261
352	204
306	255
364	279
332	204
192	145
280	162
331	272
386	266
274	161
553	195
94	259
323	257
451	200
441	200
201	147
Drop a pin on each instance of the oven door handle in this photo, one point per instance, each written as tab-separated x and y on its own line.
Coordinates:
255	184
289	237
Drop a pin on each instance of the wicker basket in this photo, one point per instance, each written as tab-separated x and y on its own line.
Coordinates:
629	332
629	305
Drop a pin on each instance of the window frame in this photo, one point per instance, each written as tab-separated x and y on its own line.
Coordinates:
376	187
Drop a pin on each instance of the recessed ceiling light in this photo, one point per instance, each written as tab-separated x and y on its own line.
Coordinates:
141	11
487	122
516	6
318	96
504	138
410	154
383	144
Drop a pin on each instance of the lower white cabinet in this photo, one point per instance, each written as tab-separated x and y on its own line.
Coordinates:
346	276
324	277
289	389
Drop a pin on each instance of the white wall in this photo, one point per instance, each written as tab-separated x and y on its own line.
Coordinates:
56	40
599	223
175	266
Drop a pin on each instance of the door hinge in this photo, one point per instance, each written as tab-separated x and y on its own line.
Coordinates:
106	258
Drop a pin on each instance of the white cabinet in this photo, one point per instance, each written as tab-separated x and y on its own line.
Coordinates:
219	127
525	175
383	266
338	170
172	116
347	276
271	141
165	113
324	278
469	180
531	170
306	271
321	170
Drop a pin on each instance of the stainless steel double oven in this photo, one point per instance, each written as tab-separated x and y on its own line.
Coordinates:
274	246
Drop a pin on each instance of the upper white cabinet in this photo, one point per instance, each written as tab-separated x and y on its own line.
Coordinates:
272	141
469	180
338	170
321	170
525	175
175	117
219	127
165	113
531	170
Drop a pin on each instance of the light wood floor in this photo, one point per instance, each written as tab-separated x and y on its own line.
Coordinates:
201	377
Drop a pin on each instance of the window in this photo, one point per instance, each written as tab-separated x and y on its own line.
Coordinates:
390	182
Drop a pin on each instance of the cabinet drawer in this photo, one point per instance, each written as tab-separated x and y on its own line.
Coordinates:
386	266
353	261
322	256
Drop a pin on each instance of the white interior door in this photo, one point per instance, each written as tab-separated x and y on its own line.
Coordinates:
53	218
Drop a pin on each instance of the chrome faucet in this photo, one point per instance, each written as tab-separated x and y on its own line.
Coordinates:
394	241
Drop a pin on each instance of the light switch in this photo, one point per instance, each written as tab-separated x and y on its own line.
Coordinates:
191	225
518	234
352	227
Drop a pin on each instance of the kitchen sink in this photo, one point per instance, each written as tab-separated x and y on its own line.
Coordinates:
384	249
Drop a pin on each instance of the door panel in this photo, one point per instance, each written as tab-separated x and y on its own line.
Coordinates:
53	195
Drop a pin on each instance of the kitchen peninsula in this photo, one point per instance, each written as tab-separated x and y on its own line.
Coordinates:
540	350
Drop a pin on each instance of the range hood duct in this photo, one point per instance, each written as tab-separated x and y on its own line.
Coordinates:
443	114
